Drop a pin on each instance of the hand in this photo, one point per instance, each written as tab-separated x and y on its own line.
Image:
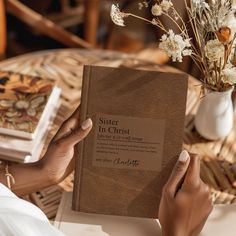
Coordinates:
58	160
186	202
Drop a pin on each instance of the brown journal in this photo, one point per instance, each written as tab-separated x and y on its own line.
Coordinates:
138	120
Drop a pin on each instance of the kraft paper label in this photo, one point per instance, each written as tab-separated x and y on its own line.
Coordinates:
128	142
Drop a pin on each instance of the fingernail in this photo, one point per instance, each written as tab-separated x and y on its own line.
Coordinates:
86	124
184	156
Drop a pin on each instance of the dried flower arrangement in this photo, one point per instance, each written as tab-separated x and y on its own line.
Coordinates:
213	23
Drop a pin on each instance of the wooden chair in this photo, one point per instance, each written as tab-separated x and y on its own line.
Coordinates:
40	24
46	26
91	20
43	25
3	37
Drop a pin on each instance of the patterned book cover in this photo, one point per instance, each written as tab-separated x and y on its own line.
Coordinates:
23	99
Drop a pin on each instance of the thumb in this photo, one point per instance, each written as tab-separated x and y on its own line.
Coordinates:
178	173
78	134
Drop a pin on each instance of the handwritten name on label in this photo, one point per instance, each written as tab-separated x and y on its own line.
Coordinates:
128	142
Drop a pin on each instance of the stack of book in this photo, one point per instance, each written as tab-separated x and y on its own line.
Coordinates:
28	106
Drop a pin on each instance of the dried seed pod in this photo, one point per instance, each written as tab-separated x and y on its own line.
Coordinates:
224	34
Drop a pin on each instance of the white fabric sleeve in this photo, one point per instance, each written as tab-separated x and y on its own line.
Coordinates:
21	218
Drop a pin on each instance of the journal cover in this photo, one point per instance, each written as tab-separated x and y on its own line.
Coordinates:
23	103
138	119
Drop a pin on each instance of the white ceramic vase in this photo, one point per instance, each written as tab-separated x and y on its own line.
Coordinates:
214	118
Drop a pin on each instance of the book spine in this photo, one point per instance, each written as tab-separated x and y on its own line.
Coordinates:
79	151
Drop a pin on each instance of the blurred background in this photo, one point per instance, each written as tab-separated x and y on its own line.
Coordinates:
30	25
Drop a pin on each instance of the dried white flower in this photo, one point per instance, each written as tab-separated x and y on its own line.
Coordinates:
214	50
155	22
187	52
197	4
140	5
166	5
157	10
229	75
117	16
175	46
230	21
145	4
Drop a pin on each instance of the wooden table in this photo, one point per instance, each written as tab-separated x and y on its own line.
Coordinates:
65	66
